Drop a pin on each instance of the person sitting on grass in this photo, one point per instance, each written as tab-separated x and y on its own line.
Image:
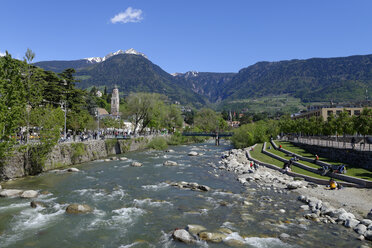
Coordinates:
333	184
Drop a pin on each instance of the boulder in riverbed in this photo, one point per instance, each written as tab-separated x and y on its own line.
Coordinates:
123	159
35	204
107	160
305	207
369	215
284	236
336	212
214	237
360	229
192	153
234	240
183	236
136	164
78	209
195	229
10	192
294	185
346	216
73	169
170	163
368	235
204	188
366	222
29	194
351	223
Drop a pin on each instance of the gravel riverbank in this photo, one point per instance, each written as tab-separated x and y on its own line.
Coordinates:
348	206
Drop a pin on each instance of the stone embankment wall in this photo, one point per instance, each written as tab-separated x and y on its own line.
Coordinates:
67	154
348	156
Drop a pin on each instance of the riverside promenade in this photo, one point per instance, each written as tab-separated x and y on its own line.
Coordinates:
359	146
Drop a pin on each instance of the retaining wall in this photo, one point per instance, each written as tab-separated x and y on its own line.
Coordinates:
362	182
67	154
361	159
293	174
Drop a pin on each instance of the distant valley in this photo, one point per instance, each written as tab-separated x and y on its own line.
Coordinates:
309	80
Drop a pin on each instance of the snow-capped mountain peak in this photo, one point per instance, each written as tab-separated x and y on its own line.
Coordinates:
132	51
129	51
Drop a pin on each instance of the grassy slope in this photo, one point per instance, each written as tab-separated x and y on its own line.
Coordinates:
351	170
256	154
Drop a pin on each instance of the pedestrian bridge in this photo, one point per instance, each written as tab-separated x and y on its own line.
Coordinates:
215	135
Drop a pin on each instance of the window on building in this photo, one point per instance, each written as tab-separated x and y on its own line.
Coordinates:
329	112
338	112
349	112
356	112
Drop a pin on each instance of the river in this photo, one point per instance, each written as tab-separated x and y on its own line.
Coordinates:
136	207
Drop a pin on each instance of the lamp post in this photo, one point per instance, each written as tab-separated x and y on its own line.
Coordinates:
97	114
64	136
65	131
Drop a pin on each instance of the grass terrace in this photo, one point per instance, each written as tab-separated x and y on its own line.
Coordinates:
257	154
351	170
285	156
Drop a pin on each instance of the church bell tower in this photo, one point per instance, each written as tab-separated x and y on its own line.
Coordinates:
115	100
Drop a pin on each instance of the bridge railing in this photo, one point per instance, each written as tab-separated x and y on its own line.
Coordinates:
224	134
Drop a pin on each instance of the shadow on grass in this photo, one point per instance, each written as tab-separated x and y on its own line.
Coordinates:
367	176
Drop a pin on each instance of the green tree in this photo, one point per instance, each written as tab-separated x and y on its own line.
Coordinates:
172	118
12	102
344	124
50	121
208	120
363	123
141	109
258	132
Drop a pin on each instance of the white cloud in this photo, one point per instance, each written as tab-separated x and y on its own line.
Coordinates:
129	15
2	54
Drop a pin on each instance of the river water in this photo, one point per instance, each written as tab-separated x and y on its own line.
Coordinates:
136	207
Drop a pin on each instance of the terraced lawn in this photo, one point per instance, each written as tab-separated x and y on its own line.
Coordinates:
257	154
351	170
285	156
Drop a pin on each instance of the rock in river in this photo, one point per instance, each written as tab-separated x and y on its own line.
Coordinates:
195	229
183	236
203	188
73	170
193	153
123	158
368	235
294	185
360	229
29	194
136	164
212	237
170	163
78	208
35	204
10	192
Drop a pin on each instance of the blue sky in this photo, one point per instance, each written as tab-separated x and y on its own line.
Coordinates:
183	35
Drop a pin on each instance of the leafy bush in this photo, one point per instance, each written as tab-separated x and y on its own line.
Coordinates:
253	133
110	143
176	139
78	149
158	143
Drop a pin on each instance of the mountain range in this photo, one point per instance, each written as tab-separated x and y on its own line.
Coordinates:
311	80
